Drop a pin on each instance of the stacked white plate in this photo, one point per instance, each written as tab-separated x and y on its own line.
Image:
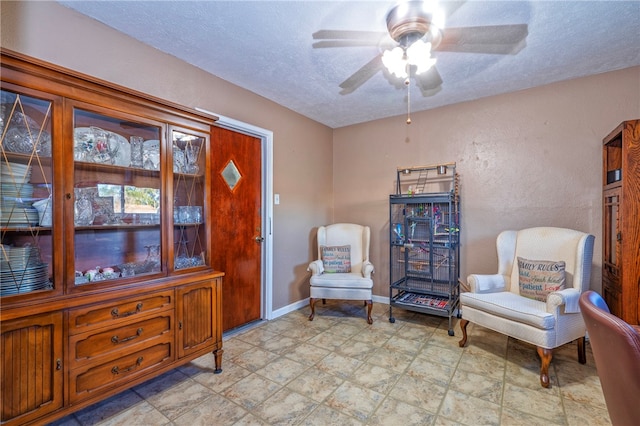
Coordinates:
15	173
22	271
16	196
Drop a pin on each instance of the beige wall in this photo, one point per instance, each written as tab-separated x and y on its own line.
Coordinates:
525	159
302	148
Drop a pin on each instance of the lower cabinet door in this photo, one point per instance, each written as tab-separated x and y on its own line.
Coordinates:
31	367
89	381
198	317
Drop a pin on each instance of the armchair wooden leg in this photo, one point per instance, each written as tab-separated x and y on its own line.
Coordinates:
582	351
545	358
369	304
463	327
312	302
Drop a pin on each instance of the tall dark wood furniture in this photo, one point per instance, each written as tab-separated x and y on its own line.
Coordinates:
621	221
105	271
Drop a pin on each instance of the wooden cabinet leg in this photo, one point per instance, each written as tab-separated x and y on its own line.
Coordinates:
312	302
463	327
218	359
545	359
369	306
582	351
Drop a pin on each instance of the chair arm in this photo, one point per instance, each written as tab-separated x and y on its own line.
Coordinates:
486	283
316	267
568	297
367	269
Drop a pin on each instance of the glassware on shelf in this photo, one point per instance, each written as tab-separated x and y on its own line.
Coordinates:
196	214
151	154
187	214
20	132
183	214
137	151
179	159
182	259
110	273
45	213
83	210
192	152
152	262
186	260
94	274
104	150
128	270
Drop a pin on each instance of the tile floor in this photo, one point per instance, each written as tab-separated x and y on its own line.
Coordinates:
338	370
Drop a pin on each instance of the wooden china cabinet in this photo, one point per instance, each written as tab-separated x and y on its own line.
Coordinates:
105	272
621	221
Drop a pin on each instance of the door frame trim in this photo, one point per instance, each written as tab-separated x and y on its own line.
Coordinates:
266	137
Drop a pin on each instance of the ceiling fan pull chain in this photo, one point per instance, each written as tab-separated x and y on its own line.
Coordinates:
407	83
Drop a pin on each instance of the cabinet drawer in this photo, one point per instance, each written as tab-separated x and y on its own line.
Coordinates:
86	347
119	311
84	383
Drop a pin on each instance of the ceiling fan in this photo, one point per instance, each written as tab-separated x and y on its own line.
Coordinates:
415	29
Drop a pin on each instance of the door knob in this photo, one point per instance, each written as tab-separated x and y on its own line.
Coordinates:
259	239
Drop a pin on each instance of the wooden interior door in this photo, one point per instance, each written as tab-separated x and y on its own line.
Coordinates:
237	231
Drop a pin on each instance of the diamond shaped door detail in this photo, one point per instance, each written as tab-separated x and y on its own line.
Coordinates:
231	175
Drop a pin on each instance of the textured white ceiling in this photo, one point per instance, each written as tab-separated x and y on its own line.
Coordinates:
266	47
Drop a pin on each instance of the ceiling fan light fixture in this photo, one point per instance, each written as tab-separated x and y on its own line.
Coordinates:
424	65
419	54
409	21
395	61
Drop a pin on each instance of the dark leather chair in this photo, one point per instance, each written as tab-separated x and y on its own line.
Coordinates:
616	349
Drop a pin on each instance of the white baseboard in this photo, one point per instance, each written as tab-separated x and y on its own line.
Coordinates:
305	302
289	308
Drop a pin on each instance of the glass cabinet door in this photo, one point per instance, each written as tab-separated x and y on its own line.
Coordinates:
611	234
189	210
117	193
26	203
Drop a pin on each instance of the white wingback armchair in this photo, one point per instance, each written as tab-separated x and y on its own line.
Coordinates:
495	301
356	284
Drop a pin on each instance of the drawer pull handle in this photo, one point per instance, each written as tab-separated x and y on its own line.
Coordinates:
116	313
116	370
116	339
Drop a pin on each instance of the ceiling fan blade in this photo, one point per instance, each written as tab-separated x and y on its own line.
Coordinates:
344	43
497	39
429	81
451	6
348	35
359	77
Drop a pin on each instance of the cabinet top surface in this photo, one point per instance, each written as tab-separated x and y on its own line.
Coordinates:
617	132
